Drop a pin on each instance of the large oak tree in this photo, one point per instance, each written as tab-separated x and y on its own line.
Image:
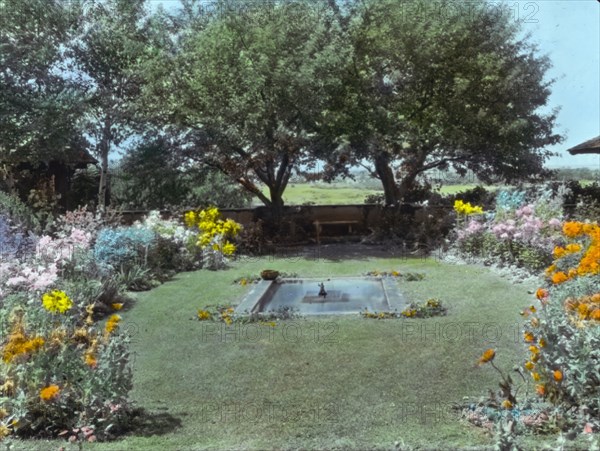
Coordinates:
429	87
250	86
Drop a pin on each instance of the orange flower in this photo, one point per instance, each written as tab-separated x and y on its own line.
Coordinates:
596	298
572	229
542	343
595	314
50	392
529	337
558	375
533	349
487	356
529	365
540	389
559	252
559	277
541	293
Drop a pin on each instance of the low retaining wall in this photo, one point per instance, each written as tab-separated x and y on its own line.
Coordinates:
304	221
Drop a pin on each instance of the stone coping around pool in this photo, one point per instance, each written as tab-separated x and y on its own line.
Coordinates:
391	289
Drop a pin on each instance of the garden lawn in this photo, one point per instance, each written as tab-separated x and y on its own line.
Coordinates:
362	383
340	193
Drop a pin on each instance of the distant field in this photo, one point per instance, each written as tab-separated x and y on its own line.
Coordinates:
339	193
343	193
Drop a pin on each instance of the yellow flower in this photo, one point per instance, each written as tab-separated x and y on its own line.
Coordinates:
507	404
542	343
90	359
573	247
117	306
56	301
228	248
4	431
487	356
529	365
112	323
50	392
533	349
559	252
19	344
466	208
204	315
190	219
536	376
529	337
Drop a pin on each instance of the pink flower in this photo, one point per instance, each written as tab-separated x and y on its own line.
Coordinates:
556	223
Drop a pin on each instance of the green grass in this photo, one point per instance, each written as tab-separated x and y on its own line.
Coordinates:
378	382
339	193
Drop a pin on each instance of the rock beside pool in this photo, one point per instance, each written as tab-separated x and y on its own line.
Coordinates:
269	274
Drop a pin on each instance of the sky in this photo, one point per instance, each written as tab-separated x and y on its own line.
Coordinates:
568	31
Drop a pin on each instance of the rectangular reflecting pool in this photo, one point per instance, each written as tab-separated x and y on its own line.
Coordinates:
328	296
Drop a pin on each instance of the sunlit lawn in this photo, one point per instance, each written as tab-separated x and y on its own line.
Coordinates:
340	193
336	382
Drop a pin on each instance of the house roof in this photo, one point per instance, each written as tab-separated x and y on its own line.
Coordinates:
591	146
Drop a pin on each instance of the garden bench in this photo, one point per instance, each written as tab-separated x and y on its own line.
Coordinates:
319	226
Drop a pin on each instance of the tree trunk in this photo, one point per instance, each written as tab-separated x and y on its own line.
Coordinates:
407	184
276	205
102	189
388	181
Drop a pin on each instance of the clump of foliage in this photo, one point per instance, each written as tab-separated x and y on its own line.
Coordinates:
226	314
215	236
522	230
431	307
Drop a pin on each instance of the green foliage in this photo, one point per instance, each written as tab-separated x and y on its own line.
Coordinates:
40	106
20	214
583	201
253	91
110	39
58	373
151	177
390	111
